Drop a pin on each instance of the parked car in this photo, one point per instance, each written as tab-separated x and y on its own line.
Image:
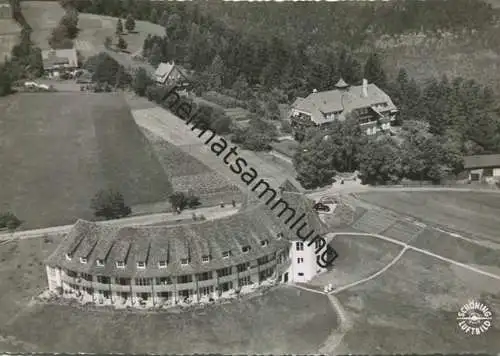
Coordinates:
321	207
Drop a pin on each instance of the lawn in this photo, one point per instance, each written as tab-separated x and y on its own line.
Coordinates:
188	173
412	308
284	320
359	257
9	36
58	149
43	16
474	213
485	257
286	147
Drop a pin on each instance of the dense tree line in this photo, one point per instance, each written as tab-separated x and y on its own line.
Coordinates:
25	62
295	47
241	50
440	123
107	71
66	31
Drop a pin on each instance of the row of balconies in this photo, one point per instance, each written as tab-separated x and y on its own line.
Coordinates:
165	287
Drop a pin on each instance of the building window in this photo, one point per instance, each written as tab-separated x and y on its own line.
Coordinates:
143	281
242	267
264	243
141	264
163	280
206	290
87	277
300	274
245	249
263	260
123	281
185	279
205	258
226	254
224	272
244	281
120	264
299	246
184	261
300	260
164	295
83	260
162	264
204	276
99	262
71	274
103	279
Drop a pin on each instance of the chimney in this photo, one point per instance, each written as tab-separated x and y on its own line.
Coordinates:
365	88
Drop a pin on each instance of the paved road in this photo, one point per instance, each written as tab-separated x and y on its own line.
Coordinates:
214	212
355	187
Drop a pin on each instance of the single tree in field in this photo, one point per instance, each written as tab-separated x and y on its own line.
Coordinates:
130	23
119	27
122	44
10	221
179	201
109	204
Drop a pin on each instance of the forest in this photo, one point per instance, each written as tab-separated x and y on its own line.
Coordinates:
264	54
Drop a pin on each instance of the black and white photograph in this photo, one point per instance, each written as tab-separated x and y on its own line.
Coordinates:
250	177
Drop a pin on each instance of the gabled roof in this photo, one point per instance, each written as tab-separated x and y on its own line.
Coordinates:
342	101
482	161
53	57
341	84
172	243
164	70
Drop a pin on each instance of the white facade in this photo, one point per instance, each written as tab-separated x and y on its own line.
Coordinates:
303	265
53	277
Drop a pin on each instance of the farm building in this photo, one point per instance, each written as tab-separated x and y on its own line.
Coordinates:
178	263
483	167
170	73
367	103
57	60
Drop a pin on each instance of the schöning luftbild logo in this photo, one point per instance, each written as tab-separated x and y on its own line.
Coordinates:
474	318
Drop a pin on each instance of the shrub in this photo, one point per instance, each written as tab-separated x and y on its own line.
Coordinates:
181	201
10	221
110	204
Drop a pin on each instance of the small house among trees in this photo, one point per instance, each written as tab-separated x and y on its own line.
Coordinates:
484	168
170	74
57	60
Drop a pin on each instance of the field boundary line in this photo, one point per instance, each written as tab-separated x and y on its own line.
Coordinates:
478	240
425	252
374	275
309	289
345	324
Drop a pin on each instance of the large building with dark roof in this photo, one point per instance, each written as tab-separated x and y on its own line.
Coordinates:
195	261
367	103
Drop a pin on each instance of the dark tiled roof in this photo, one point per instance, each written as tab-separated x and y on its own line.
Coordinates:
172	243
482	161
342	101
